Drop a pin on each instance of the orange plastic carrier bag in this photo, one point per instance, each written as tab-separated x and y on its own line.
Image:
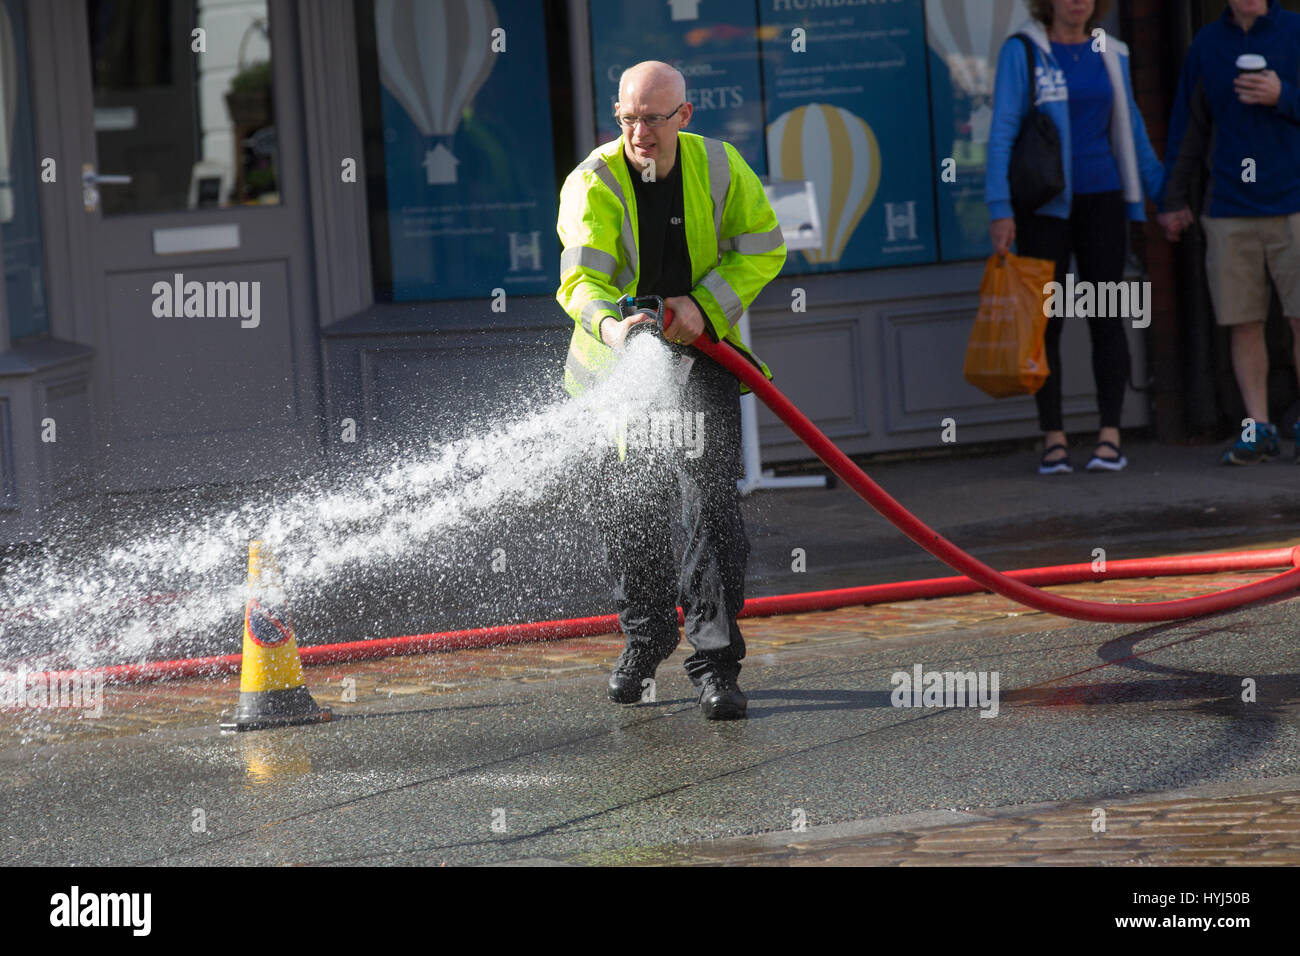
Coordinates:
1005	355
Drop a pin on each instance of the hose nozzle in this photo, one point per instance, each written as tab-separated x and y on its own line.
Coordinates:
651	306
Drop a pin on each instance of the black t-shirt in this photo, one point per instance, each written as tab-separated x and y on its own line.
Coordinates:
661	228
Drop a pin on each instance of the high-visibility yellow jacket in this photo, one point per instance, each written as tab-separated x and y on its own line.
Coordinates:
732	235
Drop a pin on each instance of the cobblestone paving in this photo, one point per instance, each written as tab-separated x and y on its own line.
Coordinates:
1258	829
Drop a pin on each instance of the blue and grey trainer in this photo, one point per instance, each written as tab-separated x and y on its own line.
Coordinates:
1264	448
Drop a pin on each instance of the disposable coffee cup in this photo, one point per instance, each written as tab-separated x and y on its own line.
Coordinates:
1249	63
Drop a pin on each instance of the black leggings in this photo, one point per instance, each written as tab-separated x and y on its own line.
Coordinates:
1097	234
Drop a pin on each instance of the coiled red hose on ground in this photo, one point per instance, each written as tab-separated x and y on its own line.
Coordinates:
411	644
1020	586
947	552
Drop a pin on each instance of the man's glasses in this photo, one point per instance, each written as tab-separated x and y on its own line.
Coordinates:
629	120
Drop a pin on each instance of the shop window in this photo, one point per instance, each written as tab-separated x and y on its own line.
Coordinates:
964	40
846	107
461	145
719	57
20	220
837	96
181	129
885	107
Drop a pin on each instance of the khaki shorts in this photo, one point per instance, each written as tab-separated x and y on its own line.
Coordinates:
1241	253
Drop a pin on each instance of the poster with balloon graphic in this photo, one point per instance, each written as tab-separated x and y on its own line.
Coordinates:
467	148
847	106
965	37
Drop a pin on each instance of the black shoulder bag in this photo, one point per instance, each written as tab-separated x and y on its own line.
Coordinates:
1036	172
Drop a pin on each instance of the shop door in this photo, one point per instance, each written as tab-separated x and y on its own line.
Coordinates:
188	149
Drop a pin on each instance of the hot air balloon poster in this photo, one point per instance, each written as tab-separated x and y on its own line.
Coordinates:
468	159
715	45
965	37
847	107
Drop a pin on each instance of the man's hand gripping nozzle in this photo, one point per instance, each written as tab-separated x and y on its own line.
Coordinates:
646	310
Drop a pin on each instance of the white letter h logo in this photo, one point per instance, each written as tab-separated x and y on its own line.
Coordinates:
900	221
531	252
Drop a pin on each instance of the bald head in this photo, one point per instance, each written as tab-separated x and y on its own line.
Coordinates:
651	77
653	88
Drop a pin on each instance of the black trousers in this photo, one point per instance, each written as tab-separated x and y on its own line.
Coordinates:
691	485
1097	234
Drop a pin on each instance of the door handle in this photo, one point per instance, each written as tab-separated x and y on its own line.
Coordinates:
90	182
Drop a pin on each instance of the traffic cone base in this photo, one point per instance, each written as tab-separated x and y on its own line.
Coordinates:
263	709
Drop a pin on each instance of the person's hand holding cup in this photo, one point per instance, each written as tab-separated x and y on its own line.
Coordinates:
1256	84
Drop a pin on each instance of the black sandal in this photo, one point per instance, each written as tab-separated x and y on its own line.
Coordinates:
1118	463
1057	466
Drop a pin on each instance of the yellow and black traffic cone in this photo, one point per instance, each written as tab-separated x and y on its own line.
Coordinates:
272	692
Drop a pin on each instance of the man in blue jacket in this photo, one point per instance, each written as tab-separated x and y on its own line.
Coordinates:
1245	123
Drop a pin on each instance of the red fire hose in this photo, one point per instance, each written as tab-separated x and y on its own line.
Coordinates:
755	607
1020	586
734	362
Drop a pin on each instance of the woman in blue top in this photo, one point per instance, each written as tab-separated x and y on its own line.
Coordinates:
1082	83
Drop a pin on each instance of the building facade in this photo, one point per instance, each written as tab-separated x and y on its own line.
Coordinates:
251	238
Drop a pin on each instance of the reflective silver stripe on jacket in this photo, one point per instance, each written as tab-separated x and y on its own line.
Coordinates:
601	169
754	243
719	182
588	257
726	296
589	314
584	376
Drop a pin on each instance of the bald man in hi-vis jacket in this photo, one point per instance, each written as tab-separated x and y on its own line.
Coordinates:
662	212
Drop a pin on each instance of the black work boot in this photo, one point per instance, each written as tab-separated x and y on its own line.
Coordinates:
634	667
721	698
